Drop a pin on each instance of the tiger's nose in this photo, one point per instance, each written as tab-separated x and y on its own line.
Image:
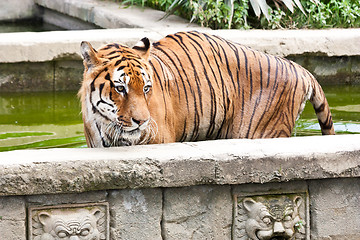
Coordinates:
140	123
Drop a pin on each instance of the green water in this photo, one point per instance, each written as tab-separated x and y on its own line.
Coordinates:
40	120
47	120
344	102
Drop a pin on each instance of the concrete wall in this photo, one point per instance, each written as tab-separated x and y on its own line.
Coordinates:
17	9
185	190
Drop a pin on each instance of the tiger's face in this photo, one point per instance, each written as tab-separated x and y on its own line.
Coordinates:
115	93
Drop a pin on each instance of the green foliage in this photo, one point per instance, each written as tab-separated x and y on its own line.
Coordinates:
214	14
237	14
219	15
334	13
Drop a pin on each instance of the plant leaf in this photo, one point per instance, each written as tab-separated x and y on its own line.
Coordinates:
260	6
173	7
298	4
230	3
289	4
255	7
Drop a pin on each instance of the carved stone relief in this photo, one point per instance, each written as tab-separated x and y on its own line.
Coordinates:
270	217
69	222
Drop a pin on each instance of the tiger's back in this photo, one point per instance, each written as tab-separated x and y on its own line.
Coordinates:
221	89
205	87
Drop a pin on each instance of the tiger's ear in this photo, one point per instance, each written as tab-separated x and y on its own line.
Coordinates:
143	48
89	55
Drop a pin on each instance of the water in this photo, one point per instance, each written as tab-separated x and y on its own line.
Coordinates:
47	120
344	102
40	120
30	25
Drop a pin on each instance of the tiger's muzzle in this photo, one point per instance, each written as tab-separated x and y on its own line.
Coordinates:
133	132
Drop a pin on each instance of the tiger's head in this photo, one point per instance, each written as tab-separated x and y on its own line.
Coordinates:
115	94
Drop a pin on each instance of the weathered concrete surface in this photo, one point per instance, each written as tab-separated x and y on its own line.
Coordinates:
334	203
179	164
19	77
197	212
17	9
62	199
47	76
64	21
331	70
12	218
201	212
67	75
136	213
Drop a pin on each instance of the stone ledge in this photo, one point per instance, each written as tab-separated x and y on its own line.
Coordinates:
327	42
48	46
29	172
108	14
131	24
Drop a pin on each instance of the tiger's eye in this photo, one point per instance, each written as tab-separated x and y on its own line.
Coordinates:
147	88
120	89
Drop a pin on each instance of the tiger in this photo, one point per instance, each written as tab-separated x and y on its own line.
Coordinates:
192	86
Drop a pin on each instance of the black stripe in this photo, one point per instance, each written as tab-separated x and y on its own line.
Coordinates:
269	70
111	58
320	108
183	135
121	68
118	62
104	144
112	52
328	124
271	97
101	100
179	40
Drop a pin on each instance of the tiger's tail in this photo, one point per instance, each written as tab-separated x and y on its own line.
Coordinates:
322	109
